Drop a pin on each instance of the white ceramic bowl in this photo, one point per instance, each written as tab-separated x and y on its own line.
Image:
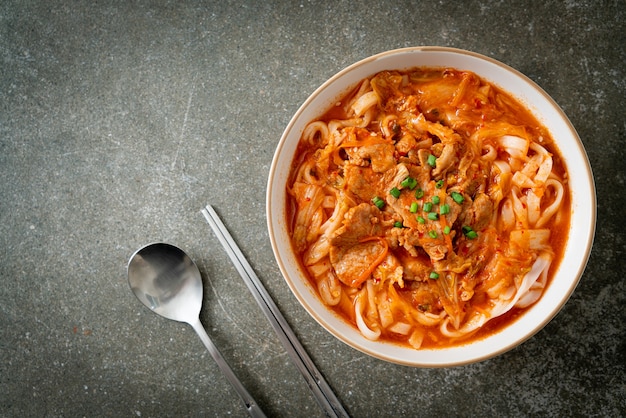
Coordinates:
544	108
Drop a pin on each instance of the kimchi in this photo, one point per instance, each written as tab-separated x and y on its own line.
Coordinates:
428	207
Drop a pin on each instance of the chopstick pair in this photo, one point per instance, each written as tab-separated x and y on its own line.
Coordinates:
314	379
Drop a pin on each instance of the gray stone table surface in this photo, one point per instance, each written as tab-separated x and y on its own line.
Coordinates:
119	120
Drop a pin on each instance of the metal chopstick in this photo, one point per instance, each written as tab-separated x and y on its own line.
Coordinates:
314	379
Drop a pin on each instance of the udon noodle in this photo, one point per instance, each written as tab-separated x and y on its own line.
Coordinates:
427	203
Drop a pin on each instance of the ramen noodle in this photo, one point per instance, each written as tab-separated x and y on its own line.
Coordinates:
428	207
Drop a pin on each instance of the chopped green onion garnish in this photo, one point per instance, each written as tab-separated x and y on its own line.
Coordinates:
413	208
434	275
432	160
457	197
421	220
428	206
398	224
409	182
439	184
395	192
419	193
432	234
444	209
380	203
446	230
433	216
436	200
469	232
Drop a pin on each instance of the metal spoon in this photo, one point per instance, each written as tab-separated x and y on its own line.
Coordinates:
167	281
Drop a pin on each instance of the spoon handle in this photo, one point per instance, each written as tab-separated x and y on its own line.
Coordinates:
314	379
253	409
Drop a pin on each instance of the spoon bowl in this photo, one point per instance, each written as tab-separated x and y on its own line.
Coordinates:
166	280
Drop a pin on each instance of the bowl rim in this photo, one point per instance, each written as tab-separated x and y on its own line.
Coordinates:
372	349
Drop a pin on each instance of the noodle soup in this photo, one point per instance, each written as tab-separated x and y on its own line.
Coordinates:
428	207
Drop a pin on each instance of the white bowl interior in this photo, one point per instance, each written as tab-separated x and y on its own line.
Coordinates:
581	185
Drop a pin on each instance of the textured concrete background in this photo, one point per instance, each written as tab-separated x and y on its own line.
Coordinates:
120	120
